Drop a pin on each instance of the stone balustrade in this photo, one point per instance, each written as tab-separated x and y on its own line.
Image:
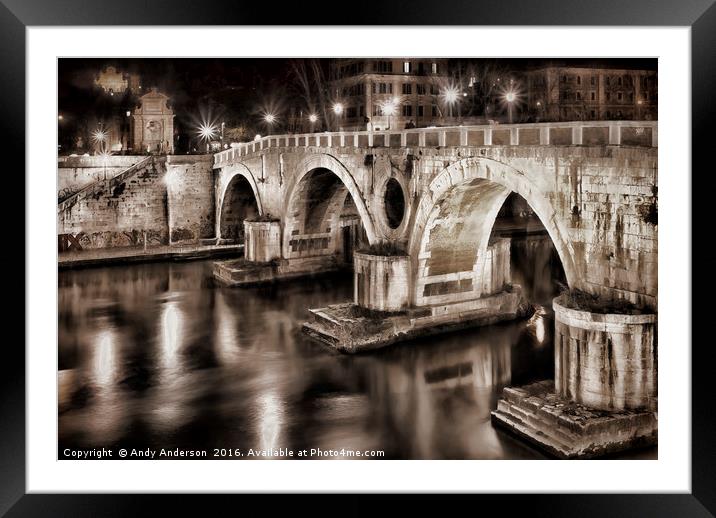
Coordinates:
582	133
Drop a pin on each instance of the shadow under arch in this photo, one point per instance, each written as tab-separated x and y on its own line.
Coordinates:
304	211
471	192
239	200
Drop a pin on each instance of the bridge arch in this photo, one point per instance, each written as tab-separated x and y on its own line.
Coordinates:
306	213
239	200
468	195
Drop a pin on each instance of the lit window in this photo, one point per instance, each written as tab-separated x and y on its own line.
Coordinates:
434	68
406	67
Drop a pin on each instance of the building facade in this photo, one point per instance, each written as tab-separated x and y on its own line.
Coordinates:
387	93
153	124
573	94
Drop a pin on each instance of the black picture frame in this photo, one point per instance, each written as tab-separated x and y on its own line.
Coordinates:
700	15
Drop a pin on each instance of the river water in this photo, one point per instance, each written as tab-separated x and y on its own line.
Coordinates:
157	356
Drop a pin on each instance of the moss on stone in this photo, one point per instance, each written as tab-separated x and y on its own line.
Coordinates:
583	301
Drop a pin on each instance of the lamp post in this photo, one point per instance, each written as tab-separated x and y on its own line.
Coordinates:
451	95
390	108
269	118
313	118
510	97
338	110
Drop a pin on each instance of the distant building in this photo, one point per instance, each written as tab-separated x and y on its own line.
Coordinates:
115	82
153	124
562	93
387	93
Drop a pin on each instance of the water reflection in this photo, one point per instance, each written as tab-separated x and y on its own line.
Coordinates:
156	356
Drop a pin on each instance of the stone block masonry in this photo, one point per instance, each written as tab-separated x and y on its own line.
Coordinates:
77	172
190	198
162	200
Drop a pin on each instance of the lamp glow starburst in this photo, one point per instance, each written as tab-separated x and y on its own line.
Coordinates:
206	131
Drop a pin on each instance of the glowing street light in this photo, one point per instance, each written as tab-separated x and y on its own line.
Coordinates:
206	132
451	94
269	119
313	118
99	135
338	108
510	98
390	108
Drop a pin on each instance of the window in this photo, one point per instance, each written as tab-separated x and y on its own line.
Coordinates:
376	110
579	96
631	97
594	96
646	96
420	88
434	68
407	110
593	114
434	89
383	66
407	89
592	80
421	110
579	80
564	79
361	110
608	96
406	67
619	80
620	96
383	88
607	80
434	110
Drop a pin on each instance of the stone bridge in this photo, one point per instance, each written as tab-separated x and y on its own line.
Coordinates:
424	203
435	193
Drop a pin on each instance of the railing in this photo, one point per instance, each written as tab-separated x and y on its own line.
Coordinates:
589	133
110	183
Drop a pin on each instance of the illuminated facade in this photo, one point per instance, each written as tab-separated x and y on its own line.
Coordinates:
153	124
571	94
388	93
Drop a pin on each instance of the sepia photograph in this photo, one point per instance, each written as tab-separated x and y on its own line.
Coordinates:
357	258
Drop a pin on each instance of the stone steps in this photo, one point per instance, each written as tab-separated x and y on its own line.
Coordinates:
566	429
516	425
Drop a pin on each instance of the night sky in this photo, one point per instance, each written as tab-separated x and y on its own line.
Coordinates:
236	91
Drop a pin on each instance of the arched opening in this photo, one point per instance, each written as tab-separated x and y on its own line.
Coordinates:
239	204
481	235
394	202
323	219
534	261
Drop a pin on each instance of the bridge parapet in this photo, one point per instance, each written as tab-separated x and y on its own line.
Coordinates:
587	133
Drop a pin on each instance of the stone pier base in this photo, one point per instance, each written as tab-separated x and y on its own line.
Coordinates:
350	328
240	272
566	429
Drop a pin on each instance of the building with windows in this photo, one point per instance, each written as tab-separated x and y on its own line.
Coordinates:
562	93
387	93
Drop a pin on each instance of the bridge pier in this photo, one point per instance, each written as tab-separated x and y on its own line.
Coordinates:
604	395
382	313
263	262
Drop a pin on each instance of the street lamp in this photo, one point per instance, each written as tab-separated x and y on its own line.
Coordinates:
510	98
313	118
269	118
451	96
206	132
389	108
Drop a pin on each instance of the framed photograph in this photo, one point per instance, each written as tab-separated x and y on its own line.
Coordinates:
442	256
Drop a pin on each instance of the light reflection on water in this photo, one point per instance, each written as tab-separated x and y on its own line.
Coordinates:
156	356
